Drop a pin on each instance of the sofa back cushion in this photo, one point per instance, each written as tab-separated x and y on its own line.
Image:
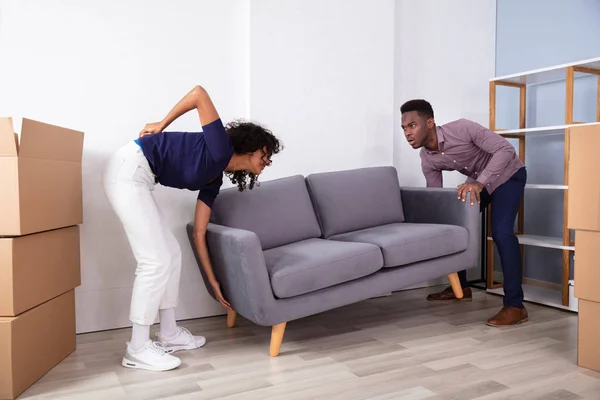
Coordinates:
355	199
278	211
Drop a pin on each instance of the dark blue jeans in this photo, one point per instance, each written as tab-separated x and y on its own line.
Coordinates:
505	201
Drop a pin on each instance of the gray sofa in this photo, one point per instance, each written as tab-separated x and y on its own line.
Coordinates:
297	246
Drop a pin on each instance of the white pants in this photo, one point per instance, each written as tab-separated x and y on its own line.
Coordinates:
128	182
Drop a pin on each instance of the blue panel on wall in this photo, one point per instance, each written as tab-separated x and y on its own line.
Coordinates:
536	34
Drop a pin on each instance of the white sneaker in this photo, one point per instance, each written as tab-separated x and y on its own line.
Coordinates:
152	357
183	340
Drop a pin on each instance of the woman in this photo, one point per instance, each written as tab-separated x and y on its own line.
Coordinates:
184	160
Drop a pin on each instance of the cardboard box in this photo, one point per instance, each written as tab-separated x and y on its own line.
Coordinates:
584	184
34	342
38	267
588	346
40	178
587	265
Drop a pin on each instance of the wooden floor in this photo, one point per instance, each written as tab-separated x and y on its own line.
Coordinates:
396	347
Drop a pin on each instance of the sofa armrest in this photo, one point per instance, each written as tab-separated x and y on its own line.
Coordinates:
239	265
438	206
442	206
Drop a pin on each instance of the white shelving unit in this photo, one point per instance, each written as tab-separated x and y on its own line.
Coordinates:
547	294
551	74
541	295
541	241
540	131
545	186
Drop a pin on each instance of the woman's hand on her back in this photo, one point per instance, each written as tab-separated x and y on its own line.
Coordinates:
151	128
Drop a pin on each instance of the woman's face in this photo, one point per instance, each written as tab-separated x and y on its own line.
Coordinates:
258	161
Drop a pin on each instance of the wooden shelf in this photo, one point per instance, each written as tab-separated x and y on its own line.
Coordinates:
545	186
549	74
541	241
543	130
541	295
565	73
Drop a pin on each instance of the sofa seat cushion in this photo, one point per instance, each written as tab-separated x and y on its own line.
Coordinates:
314	264
406	243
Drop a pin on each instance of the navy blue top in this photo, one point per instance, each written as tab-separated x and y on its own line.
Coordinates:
189	160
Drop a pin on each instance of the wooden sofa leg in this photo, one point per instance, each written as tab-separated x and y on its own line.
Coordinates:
231	318
455	283
276	338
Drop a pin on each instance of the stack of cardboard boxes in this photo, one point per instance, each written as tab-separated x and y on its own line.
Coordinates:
584	218
40	210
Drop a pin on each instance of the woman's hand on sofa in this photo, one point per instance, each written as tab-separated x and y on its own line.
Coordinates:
217	289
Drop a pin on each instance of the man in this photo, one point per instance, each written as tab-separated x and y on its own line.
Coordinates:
495	174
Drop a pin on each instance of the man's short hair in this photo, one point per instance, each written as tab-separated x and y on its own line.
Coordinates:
422	107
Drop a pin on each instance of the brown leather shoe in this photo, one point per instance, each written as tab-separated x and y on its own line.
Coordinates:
509	316
448	295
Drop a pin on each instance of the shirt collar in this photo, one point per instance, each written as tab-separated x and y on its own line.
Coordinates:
439	131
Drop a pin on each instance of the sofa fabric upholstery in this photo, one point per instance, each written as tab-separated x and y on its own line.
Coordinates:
347	201
313	264
406	243
264	252
278	211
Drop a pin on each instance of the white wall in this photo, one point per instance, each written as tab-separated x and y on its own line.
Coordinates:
107	68
328	77
320	74
445	53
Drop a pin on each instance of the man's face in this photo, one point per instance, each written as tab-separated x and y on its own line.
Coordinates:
416	128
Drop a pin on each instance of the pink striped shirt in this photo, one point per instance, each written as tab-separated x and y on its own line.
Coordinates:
473	150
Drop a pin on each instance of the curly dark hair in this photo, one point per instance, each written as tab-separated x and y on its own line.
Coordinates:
247	137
